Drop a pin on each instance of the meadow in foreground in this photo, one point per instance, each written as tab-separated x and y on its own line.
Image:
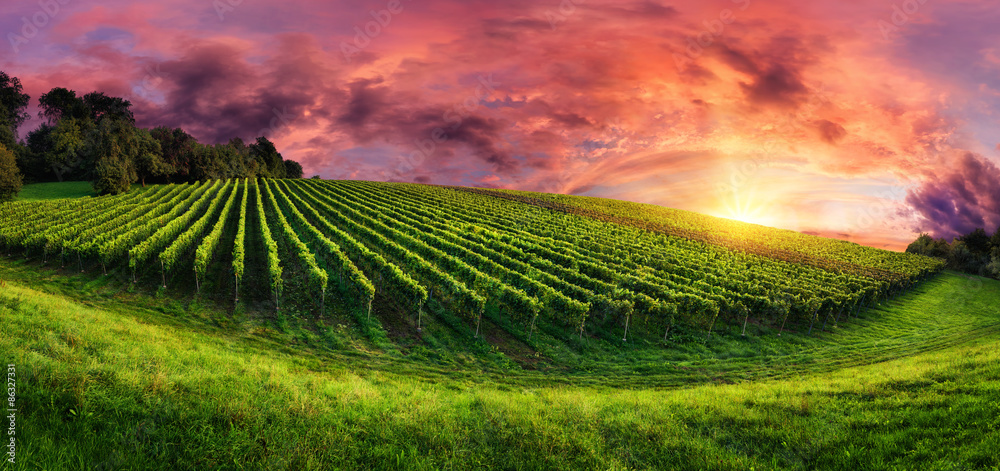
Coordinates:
118	380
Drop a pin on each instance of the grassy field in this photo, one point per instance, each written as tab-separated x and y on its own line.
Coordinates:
55	190
112	378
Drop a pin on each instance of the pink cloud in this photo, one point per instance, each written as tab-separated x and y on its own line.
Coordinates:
592	100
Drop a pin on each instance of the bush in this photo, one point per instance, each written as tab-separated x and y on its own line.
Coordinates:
10	176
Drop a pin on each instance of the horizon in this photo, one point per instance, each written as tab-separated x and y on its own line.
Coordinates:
858	121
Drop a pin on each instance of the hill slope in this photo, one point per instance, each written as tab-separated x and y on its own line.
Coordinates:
526	264
128	381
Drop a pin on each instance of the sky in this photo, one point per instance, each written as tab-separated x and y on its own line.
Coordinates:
864	120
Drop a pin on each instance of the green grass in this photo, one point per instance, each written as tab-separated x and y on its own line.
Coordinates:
55	190
112	379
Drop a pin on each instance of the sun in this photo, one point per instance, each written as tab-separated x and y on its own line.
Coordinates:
749	215
744	206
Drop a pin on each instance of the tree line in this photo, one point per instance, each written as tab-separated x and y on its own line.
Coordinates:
94	138
977	252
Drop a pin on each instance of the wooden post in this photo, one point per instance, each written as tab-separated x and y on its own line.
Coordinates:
782	329
479	320
813	321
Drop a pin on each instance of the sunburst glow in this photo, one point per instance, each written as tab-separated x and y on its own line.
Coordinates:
746	204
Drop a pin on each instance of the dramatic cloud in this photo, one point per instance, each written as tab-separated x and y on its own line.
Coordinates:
805	115
829	131
960	199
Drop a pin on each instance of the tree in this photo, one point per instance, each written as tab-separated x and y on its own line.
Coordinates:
268	158
103	106
206	164
293	169
113	175
10	177
315	177
178	149
33	163
237	159
964	259
921	246
149	157
977	241
114	148
13	102
926	245
67	141
7	136
60	103
940	249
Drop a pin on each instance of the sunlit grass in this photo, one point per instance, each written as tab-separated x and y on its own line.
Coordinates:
109	386
55	190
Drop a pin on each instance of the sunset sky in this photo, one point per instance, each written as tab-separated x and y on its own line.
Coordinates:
857	119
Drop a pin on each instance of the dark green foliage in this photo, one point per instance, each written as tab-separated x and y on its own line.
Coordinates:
927	245
13	102
221	161
67	140
113	175
10	177
61	103
94	138
108	107
978	241
179	149
8	138
114	148
31	160
293	169
268	158
149	157
977	252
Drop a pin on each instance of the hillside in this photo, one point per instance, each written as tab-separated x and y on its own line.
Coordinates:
344	325
117	380
527	264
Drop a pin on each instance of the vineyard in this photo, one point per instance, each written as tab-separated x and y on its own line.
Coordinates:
581	266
